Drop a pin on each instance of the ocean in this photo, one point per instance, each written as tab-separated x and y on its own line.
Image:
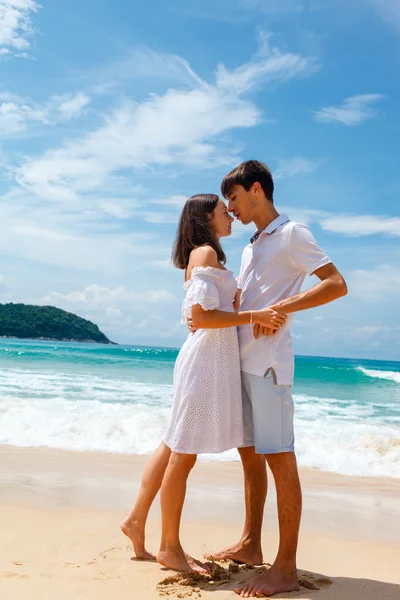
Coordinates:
118	398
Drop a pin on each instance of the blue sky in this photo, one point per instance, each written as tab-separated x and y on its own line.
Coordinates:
112	114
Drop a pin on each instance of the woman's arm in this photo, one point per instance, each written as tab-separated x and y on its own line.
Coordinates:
217	319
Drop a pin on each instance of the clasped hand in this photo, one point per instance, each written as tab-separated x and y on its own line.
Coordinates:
267	322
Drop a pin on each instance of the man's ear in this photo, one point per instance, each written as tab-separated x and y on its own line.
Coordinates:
256	187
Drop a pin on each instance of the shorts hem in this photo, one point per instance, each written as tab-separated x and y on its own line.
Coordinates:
288	449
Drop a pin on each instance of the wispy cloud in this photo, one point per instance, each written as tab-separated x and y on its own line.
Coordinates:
16	26
349	225
361	225
182	127
294	166
73	236
73	106
117	310
375	284
354	110
270	64
18	114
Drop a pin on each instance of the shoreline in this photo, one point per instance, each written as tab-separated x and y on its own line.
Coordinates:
72	479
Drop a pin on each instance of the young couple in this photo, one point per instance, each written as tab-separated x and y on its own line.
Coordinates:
234	373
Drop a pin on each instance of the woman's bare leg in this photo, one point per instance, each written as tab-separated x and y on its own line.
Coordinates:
173	491
134	525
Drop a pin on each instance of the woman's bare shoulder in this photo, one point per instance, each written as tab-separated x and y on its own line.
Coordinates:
204	256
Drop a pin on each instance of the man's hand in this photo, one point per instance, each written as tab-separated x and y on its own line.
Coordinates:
261	330
190	325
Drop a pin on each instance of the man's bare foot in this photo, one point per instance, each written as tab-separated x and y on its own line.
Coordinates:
241	553
181	562
135	532
274	581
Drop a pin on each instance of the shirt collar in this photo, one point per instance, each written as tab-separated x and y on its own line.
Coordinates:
271	228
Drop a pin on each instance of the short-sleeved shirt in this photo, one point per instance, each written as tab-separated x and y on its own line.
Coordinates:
274	266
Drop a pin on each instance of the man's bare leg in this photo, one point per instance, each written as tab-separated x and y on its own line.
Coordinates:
248	549
173	492
134	525
282	576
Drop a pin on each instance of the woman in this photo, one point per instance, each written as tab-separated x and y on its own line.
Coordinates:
207	411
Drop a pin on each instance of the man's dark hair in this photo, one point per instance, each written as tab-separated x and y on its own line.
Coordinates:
246	175
195	230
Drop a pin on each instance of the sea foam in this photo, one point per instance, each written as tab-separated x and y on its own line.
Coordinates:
77	411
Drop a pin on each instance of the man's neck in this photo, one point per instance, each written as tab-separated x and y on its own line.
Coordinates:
265	216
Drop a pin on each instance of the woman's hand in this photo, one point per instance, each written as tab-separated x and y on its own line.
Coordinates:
269	317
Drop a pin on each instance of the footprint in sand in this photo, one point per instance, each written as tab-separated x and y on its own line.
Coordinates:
311	581
71	564
12	575
114	550
184	585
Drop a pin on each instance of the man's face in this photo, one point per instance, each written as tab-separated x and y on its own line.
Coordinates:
242	204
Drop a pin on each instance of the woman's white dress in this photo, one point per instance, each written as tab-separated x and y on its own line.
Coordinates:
207	414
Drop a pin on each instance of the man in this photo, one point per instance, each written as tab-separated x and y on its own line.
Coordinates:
273	268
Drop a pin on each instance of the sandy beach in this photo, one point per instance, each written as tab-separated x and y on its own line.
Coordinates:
60	514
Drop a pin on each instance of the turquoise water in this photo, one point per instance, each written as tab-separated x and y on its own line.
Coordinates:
117	399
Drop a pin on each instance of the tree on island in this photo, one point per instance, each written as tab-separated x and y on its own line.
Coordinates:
47	322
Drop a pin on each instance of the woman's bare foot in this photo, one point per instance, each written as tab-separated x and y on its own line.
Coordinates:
135	532
241	553
178	560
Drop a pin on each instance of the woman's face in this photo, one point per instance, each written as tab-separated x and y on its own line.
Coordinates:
221	220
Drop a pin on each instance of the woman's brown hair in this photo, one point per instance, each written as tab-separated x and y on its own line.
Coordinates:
195	230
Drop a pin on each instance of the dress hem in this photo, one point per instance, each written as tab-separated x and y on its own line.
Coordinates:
213	451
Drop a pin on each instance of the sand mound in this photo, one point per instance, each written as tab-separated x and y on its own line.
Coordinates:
184	585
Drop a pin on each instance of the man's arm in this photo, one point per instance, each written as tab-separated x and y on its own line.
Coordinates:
330	287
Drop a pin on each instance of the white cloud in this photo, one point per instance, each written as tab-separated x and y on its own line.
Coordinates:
293	167
361	225
72	106
17	114
354	111
16	26
377	284
105	297
72	236
271	64
346	224
143	63
373	330
183	126
117	310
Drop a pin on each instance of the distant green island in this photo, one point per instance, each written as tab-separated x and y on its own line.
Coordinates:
29	322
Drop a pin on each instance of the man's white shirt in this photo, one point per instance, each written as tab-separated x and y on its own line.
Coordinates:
273	268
